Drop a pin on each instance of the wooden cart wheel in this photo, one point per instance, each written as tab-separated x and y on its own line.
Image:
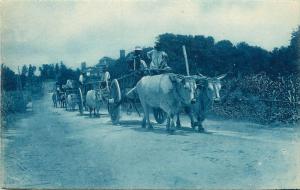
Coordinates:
159	115
114	98
80	104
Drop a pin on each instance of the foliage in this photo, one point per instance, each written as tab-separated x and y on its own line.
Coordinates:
260	98
8	79
212	58
13	101
58	72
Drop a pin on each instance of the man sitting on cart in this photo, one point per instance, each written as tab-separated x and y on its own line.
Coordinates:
105	78
106	75
137	64
81	78
57	88
158	58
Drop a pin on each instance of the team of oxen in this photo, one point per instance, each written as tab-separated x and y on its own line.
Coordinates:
170	92
174	93
58	99
71	100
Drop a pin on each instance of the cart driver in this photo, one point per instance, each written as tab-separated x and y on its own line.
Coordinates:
105	78
57	88
138	64
81	78
158	58
106	75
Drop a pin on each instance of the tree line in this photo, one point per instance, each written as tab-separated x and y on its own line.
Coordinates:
58	72
11	81
212	58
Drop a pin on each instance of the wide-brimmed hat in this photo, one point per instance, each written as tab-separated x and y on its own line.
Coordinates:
137	48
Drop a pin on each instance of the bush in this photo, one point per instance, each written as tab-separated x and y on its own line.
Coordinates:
13	101
261	99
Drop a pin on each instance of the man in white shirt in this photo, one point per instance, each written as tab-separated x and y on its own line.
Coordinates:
106	75
105	79
158	58
81	78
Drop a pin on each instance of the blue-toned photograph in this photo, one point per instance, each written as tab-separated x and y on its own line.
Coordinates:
150	94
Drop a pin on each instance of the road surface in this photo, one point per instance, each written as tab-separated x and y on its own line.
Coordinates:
53	148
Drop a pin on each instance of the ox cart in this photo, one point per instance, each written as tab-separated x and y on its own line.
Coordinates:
95	80
117	100
72	95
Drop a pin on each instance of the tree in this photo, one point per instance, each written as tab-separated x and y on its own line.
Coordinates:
31	71
24	74
24	71
285	60
8	79
56	69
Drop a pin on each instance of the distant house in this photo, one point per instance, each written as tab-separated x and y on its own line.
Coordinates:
105	61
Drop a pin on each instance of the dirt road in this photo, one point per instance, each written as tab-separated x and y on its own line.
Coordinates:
52	148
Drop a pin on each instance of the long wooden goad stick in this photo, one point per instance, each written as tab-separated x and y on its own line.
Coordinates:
186	61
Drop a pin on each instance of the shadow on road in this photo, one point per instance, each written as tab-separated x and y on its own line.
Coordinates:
161	129
127	123
87	115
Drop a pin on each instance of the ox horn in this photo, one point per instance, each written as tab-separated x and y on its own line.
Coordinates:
200	76
221	76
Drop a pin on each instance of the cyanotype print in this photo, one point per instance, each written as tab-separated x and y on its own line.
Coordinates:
127	94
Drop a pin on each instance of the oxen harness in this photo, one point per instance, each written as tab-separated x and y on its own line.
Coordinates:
175	83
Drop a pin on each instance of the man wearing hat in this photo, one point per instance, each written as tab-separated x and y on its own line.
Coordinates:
158	58
138	64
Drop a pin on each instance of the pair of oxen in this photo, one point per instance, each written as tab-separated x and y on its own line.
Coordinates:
59	99
172	93
65	101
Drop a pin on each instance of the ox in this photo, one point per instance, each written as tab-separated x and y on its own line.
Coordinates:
62	99
54	99
93	101
208	91
71	102
166	91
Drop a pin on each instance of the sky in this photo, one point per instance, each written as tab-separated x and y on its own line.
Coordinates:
41	32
